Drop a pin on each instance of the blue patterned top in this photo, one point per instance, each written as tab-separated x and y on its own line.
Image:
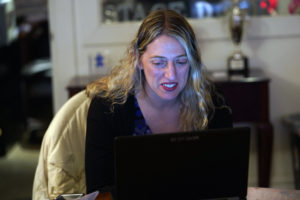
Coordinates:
140	126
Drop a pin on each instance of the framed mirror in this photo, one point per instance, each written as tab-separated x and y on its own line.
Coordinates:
135	10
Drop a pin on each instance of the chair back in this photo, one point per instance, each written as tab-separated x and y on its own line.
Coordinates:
60	168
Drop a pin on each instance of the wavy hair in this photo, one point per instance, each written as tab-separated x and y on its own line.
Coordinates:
126	78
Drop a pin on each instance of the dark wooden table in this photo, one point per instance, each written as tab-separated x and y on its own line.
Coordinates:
249	99
78	83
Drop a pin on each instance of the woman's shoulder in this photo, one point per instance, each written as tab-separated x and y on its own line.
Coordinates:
217	96
106	105
117	119
221	117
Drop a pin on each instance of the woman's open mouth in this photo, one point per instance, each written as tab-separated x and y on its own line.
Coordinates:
169	86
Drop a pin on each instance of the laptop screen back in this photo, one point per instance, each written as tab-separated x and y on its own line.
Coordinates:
198	165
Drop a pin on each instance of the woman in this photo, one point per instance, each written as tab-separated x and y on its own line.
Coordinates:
159	87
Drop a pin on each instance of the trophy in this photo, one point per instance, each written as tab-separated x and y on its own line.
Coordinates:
237	62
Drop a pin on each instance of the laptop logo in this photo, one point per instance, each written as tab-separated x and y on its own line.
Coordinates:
186	138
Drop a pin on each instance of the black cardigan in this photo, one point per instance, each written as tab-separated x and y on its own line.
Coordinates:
103	125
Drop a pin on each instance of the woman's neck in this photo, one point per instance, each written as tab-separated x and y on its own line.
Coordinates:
157	103
160	116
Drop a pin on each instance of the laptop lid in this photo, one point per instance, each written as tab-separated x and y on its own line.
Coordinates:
206	164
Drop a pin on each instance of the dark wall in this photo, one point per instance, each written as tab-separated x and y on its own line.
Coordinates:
24	96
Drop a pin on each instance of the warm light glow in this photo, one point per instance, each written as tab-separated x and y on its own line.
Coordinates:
263	4
269	5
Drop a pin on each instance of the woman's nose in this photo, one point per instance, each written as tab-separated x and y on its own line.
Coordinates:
170	71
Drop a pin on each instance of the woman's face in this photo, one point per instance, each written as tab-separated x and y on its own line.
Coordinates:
166	67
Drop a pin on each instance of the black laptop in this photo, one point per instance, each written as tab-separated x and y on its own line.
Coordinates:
210	164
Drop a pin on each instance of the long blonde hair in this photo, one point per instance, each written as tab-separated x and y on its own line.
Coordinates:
126	78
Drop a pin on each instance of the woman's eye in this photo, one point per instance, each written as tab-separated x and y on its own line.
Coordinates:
181	62
159	63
